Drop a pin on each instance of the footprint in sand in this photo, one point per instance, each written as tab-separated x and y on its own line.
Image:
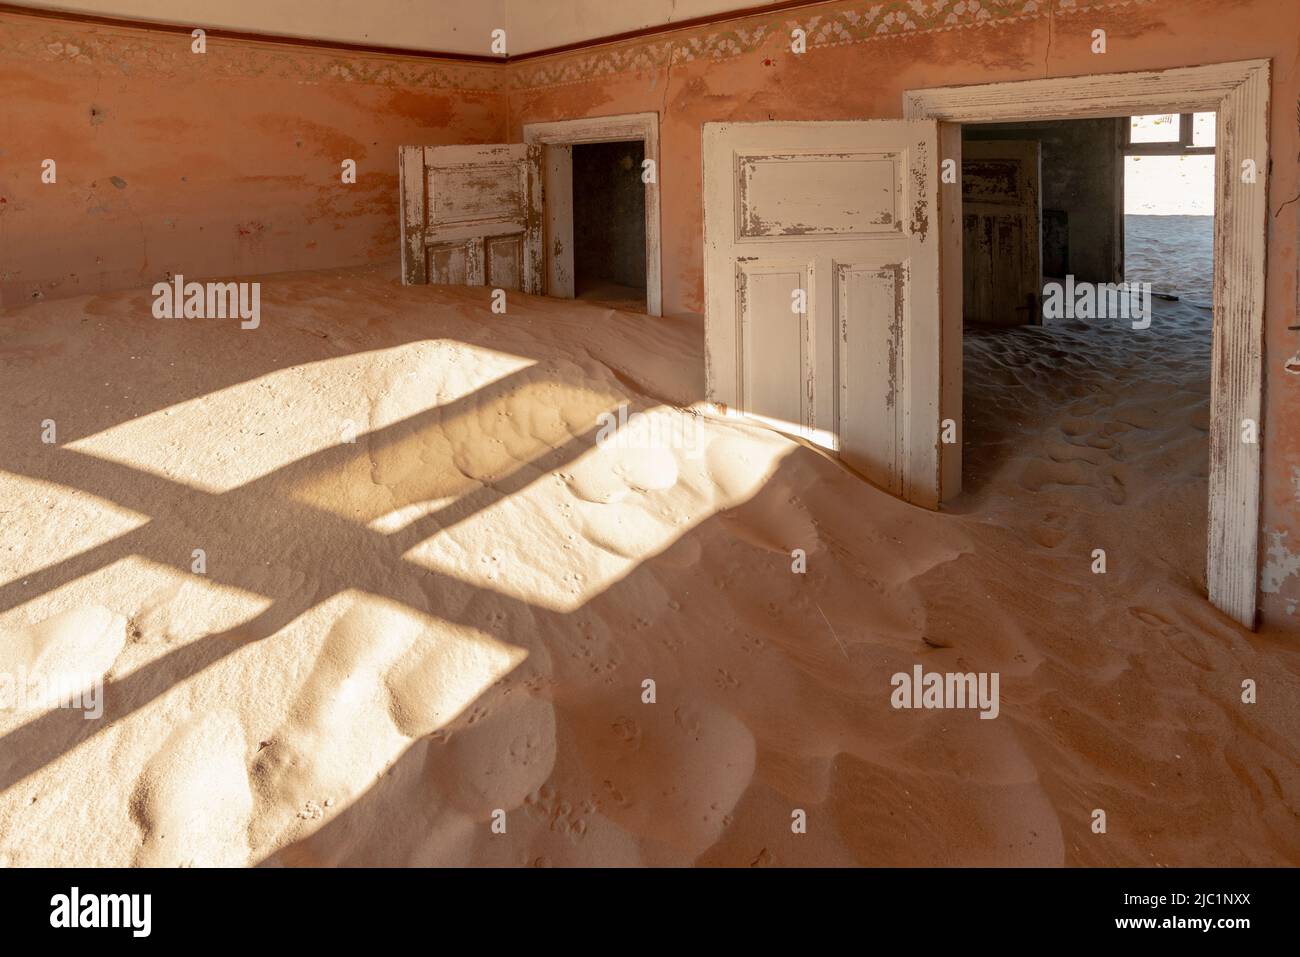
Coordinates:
1187	645
192	801
1048	537
1039	474
383	677
1052	531
68	650
333	735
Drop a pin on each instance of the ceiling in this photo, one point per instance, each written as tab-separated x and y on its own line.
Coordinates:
451	26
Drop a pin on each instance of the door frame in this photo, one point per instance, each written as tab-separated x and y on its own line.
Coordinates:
557	139
1238	93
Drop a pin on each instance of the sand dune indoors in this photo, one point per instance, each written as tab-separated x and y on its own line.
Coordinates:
392	638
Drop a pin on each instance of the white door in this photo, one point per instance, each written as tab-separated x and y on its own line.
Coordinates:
472	215
841	219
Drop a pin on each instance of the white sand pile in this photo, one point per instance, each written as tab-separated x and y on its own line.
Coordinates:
391	639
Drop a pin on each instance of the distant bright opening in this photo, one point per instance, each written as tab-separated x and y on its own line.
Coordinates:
1169	205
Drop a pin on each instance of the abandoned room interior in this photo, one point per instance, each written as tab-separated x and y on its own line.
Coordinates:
708	432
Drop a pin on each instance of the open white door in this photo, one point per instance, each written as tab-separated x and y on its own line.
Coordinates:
841	218
472	215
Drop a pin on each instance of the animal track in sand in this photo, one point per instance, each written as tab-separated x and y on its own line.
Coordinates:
561	816
692	764
725	680
495	762
615	794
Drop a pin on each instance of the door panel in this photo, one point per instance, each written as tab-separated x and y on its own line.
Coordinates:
775	338
1002	251
505	255
472	215
801	193
847	213
869	317
449	264
484	192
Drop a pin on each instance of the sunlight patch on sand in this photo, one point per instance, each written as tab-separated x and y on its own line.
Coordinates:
612	508
412	454
78	523
288	415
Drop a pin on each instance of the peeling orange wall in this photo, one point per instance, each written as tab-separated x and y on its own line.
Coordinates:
859	69
213	164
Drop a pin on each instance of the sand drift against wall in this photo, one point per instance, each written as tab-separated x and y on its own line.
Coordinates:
455	613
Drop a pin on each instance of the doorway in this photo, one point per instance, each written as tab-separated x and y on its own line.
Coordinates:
1087	273
609	223
590	167
1238	93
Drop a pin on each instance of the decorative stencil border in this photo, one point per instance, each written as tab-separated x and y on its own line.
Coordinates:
135	51
132	51
828	25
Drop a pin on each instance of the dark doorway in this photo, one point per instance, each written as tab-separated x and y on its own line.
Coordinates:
609	222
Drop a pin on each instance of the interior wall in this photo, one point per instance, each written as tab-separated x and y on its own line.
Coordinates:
1081	187
221	163
409	24
543	24
609	214
858	64
442	26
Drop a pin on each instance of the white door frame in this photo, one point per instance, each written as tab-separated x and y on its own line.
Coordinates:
1239	94
558	138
